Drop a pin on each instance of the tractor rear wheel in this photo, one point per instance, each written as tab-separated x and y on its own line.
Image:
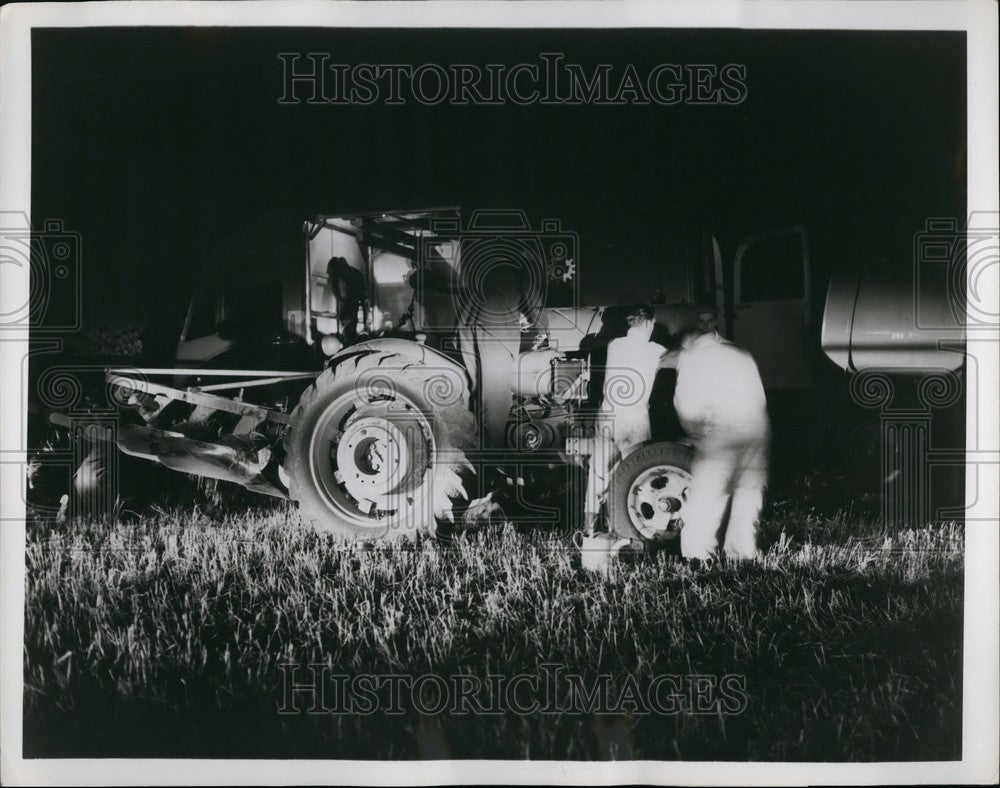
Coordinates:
377	447
648	491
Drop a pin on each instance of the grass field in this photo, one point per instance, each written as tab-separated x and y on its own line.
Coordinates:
165	635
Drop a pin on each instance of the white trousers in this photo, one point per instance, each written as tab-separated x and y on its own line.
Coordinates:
729	472
616	434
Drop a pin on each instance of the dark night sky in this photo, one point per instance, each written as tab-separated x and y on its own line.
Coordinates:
155	144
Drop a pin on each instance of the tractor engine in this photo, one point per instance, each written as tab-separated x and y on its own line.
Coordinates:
549	388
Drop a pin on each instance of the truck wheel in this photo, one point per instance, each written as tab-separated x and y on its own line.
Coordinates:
647	492
377	446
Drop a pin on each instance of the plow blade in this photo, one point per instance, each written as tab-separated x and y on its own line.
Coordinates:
232	459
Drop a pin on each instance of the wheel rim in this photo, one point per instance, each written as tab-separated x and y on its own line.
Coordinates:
656	501
370	457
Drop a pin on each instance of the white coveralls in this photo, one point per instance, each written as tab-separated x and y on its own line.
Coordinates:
721	404
623	420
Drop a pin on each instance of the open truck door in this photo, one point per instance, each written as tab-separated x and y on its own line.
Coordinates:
770	316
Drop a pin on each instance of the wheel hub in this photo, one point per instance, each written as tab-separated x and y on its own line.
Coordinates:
655	500
373	458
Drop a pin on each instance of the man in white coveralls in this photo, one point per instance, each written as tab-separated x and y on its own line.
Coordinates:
623	420
721	405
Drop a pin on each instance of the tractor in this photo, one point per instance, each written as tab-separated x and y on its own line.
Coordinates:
339	384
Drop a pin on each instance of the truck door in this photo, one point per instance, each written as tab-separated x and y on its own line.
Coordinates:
771	281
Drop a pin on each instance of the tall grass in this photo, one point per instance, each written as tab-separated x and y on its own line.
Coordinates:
165	636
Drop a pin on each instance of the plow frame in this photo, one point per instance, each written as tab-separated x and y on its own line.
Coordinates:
241	454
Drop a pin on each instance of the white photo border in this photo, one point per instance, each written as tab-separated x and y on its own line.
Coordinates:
981	694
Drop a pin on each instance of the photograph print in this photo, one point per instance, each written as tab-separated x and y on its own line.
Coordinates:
396	383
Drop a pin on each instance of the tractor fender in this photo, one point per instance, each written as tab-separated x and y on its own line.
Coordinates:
404	347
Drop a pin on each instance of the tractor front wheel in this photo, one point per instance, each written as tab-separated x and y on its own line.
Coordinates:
648	491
